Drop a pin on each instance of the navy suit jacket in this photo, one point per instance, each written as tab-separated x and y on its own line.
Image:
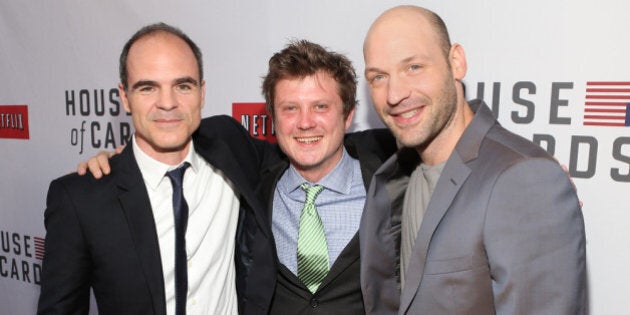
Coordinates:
101	233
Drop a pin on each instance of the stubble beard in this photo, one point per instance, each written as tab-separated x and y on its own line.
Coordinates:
421	136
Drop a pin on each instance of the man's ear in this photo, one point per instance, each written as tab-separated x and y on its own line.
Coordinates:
203	93
348	121
457	59
123	98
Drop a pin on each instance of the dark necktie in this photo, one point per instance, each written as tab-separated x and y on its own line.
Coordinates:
180	211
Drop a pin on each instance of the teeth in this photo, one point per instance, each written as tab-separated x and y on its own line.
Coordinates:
409	114
308	140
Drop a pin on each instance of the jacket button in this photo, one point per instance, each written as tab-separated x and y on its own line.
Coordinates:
314	303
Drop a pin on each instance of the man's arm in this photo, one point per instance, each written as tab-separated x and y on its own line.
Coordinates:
223	127
535	241
259	153
65	287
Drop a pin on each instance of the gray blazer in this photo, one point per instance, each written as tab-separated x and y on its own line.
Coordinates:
502	234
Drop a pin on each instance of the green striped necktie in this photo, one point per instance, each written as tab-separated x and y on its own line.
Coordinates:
312	254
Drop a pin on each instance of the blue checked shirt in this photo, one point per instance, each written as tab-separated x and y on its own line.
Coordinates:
339	205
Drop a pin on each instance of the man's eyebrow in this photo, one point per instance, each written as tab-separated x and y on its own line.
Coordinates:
372	69
403	61
186	80
143	83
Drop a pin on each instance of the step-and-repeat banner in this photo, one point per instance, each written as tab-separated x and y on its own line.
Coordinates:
555	72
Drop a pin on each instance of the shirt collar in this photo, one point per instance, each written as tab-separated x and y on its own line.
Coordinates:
153	171
338	180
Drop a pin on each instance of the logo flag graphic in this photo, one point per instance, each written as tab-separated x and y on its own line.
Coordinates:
607	104
39	247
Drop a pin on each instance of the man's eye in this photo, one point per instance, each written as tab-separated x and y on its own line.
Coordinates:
376	78
287	108
321	106
185	88
146	89
414	67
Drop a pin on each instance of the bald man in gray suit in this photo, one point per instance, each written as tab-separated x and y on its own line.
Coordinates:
467	218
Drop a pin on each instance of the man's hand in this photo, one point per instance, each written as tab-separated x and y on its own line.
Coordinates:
99	164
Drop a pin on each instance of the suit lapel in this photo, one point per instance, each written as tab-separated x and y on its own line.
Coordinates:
453	177
454	174
136	207
346	258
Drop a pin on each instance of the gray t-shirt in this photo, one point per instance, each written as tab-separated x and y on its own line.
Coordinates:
417	196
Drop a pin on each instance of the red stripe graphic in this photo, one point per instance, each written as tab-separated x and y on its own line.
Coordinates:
608	90
604	124
39	247
607	103
590	110
613	83
600	117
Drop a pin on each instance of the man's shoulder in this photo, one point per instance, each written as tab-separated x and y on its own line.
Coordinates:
487	137
507	144
502	150
376	134
217	118
379	142
220	123
87	183
221	128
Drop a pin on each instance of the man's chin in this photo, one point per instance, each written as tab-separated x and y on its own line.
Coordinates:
306	165
170	147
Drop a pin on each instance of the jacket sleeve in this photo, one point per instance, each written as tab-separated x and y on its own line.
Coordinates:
65	286
257	153
535	241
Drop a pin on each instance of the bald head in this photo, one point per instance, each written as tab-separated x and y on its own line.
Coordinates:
414	75
407	17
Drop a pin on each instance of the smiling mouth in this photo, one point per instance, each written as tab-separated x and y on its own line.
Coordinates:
308	140
409	114
167	119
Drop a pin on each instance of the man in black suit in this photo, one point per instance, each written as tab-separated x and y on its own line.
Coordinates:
117	235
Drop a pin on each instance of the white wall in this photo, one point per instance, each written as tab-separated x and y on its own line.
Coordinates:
50	47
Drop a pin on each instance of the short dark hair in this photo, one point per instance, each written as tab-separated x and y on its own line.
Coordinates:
152	29
301	58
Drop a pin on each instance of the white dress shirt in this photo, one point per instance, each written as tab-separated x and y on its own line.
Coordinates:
213	212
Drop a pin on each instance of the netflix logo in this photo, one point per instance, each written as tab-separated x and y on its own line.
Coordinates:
254	117
14	122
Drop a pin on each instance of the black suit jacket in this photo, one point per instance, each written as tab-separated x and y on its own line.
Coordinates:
340	291
101	233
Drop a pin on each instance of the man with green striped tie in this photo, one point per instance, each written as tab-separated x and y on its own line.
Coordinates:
318	191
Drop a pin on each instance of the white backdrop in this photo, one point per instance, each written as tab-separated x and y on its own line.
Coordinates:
532	59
